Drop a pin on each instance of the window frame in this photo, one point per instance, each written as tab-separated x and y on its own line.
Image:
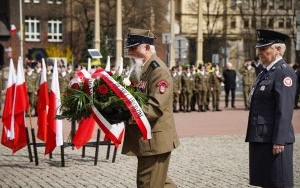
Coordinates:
55	30
32	29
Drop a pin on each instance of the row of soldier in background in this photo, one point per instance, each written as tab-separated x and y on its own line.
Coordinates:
194	87
33	72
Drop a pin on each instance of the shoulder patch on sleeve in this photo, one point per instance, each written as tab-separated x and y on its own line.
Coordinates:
287	81
162	85
154	65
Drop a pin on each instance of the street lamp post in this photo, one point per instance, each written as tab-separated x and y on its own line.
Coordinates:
97	24
225	33
200	35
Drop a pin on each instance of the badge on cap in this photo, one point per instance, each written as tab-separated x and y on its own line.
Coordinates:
287	81
262	88
162	85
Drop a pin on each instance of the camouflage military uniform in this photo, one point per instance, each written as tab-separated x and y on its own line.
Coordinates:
2	86
249	77
32	85
215	81
201	85
63	82
176	90
188	87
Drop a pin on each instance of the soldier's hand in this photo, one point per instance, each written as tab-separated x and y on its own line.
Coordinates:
179	91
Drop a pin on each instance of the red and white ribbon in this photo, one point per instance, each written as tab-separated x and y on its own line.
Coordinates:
133	106
113	132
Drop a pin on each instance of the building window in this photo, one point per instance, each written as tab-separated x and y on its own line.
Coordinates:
280	22
271	23
32	29
245	4
232	23
281	4
253	23
34	1
264	4
288	4
246	23
263	23
298	5
288	23
55	31
271	4
52	2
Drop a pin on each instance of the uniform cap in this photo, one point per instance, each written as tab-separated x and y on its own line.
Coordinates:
267	37
139	36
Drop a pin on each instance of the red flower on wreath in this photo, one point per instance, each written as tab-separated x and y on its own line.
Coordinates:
102	89
75	86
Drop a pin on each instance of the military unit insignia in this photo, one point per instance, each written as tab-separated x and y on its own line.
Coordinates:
162	85
287	81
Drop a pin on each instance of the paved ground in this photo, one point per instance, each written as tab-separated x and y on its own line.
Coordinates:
212	154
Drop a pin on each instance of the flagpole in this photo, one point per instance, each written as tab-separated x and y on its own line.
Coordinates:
21	32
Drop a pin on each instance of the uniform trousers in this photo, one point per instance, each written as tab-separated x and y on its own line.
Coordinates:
216	94
202	98
175	100
152	171
246	91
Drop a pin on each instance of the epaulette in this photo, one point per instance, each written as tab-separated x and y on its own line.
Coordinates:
154	64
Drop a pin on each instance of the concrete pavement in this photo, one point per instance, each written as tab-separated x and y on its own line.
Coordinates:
212	154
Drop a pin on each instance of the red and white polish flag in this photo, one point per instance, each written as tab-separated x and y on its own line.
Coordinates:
21	105
13	29
54	128
8	111
43	105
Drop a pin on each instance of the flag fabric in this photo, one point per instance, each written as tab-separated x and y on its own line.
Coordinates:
43	104
8	111
13	29
84	132
54	128
21	104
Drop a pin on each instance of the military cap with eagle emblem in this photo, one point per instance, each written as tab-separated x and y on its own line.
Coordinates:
266	37
139	36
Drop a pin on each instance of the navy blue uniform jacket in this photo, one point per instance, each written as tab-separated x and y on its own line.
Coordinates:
272	105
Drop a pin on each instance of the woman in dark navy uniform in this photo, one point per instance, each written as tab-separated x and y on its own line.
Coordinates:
270	131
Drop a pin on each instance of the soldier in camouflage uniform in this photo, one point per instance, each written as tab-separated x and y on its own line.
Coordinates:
2	87
249	76
49	77
215	81
32	84
176	88
209	69
181	102
70	70
195	94
188	87
201	86
64	80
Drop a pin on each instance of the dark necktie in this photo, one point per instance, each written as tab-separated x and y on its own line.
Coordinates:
263	74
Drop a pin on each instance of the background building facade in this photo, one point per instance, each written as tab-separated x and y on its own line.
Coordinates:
229	27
